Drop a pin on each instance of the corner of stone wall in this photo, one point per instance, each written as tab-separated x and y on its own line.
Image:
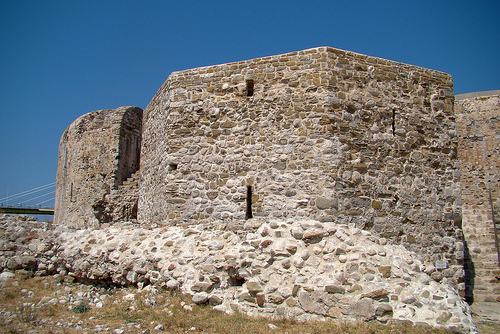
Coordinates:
97	153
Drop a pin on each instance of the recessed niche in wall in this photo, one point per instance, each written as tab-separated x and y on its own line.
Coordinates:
249	87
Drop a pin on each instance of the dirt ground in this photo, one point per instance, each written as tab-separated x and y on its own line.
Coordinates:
486	317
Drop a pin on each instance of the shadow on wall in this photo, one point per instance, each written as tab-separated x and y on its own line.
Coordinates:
470	274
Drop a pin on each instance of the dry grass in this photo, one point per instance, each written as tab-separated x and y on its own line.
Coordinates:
488	327
21	311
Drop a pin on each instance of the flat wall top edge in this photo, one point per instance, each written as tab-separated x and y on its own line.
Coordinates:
321	49
477	94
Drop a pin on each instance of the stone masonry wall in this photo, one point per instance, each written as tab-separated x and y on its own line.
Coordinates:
97	153
478	122
321	133
303	270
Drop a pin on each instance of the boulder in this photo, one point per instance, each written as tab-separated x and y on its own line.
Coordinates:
200	298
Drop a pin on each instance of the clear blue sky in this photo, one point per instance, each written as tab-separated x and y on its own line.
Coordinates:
62	59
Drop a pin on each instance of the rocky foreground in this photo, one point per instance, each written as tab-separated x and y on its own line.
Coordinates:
303	270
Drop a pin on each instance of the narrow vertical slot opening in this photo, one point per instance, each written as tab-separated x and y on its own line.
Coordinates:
393	122
250	87
248	214
71	193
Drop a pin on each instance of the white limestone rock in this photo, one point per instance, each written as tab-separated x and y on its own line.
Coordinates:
200	298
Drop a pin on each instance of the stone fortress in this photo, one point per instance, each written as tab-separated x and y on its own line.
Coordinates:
478	125
320	134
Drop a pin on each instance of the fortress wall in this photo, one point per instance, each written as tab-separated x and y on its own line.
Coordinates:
96	153
129	145
326	134
478	122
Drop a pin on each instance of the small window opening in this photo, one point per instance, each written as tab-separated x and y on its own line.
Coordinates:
249	87
393	122
248	214
172	167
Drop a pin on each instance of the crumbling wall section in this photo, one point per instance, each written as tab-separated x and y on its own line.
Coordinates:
478	121
97	152
300	270
321	133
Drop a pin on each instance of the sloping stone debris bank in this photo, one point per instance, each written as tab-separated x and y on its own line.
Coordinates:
304	270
